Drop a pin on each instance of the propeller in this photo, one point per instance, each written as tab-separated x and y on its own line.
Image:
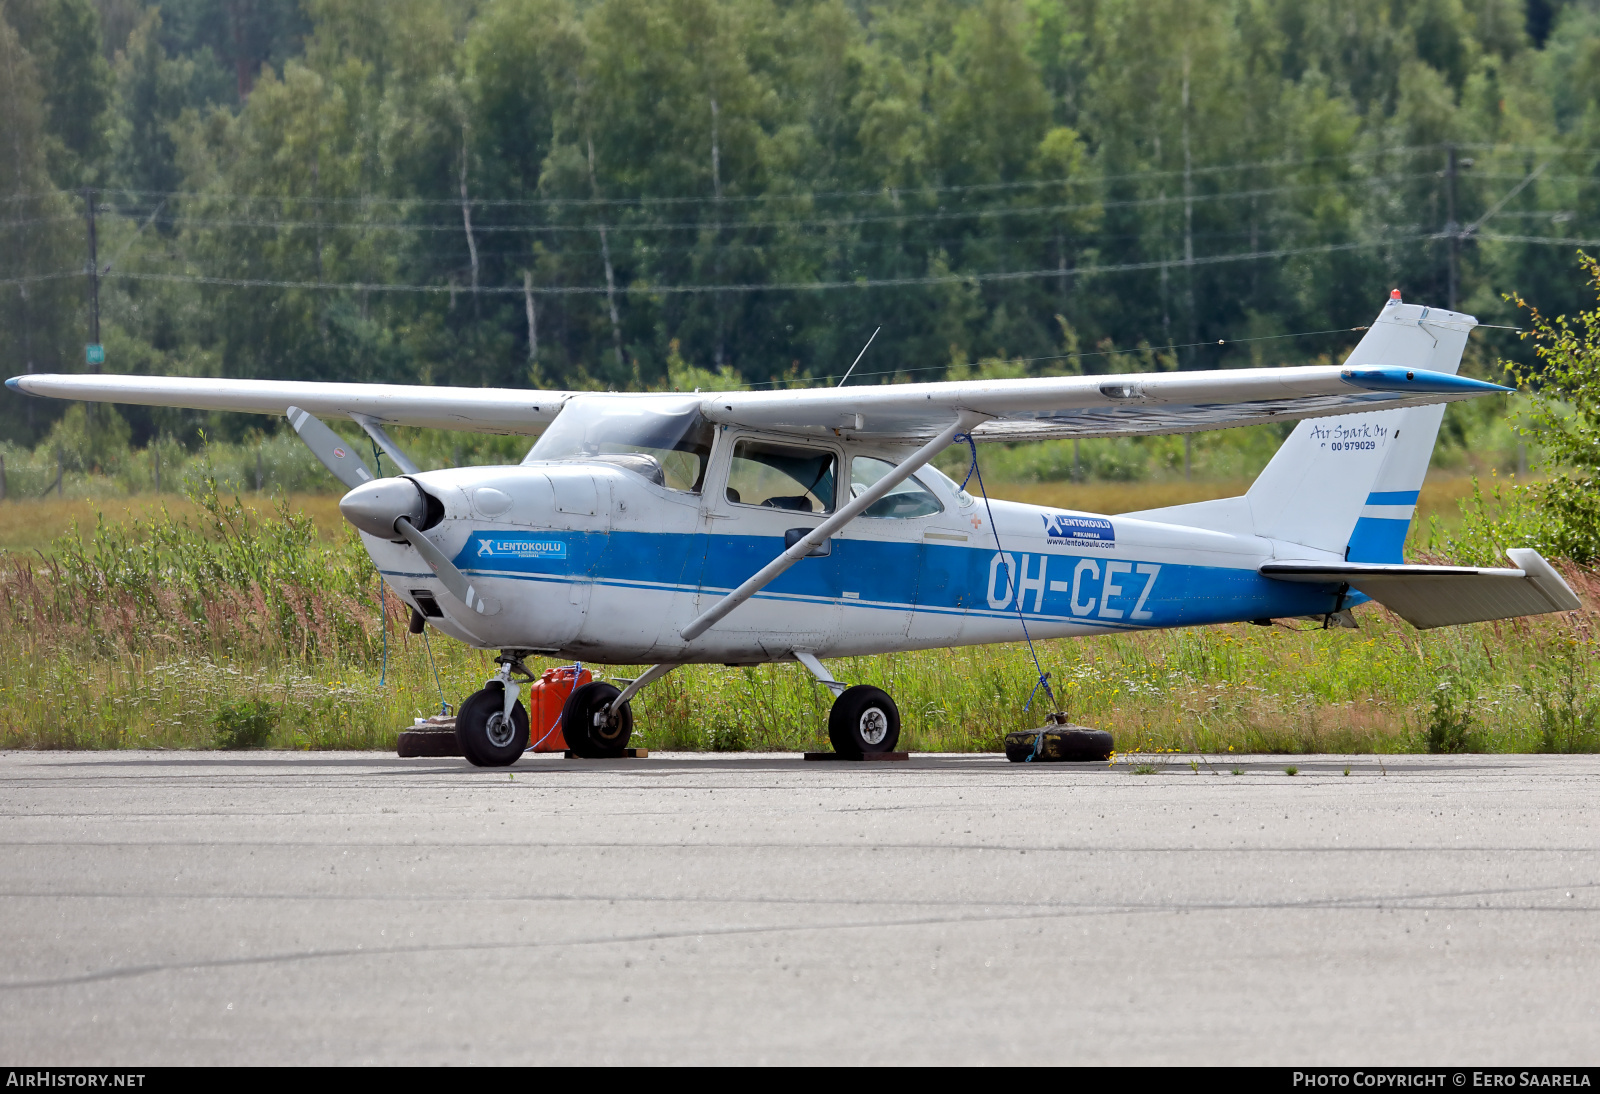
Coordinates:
330	448
375	506
394	507
454	580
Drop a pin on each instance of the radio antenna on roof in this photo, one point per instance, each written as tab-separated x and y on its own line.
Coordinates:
859	356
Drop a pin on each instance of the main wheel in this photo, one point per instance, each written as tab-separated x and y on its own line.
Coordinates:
486	737
587	723
863	719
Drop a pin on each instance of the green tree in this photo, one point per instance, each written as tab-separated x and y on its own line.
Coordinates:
63	37
40	252
1566	420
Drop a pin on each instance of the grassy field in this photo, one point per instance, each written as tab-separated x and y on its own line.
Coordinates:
165	625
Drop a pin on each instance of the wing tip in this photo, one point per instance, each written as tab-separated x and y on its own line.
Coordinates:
1403	380
15	383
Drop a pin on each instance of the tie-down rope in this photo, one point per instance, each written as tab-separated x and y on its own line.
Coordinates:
1044	677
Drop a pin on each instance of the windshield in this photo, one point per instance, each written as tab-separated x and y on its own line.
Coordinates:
666	441
909	499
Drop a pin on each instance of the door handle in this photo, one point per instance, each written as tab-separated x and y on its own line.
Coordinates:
795	535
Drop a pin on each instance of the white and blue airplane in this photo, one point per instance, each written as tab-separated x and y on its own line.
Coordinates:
748	527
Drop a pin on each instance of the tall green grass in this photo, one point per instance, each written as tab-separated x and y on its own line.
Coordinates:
240	627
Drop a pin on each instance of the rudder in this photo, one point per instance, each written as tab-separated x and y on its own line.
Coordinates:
1349	484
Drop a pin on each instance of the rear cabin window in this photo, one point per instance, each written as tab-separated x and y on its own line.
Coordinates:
909	499
781	476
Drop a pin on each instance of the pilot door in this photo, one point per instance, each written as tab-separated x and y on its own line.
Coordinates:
766	493
886	553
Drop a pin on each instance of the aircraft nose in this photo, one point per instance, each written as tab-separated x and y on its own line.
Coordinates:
374	506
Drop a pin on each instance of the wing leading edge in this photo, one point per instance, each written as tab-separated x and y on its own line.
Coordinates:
470	409
1099	406
1022	409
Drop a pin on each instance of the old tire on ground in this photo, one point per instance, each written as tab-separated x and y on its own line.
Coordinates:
428	742
1071	744
587	738
863	719
486	739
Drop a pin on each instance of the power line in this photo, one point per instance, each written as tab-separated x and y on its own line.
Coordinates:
803	286
1069	356
818	222
795	286
891	192
1499	237
880	191
28	279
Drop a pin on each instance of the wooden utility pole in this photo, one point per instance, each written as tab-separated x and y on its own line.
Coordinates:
716	243
1451	228
605	254
1188	227
466	220
93	269
533	317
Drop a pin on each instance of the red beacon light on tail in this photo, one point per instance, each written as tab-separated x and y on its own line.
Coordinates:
1394	296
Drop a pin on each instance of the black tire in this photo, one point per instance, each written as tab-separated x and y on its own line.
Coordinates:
863	719
584	737
481	733
1072	744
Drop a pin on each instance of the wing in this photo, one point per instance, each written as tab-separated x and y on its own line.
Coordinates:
1099	406
1027	409
470	409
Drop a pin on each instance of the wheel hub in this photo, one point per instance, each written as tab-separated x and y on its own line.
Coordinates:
874	726
499	729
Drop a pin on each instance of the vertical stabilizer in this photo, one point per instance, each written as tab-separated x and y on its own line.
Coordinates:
1349	484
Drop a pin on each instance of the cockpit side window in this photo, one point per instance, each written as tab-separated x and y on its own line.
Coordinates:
909	499
782	476
666	441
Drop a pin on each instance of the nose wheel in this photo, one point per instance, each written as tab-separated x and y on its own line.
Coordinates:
487	737
863	719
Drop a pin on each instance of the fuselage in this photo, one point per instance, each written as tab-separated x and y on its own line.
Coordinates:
595	561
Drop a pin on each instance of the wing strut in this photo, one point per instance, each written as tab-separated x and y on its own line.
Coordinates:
965	421
381	437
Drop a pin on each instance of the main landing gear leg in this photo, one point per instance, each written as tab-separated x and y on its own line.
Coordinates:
863	718
598	720
492	726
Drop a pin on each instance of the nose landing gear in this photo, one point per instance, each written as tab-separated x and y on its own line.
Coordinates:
492	725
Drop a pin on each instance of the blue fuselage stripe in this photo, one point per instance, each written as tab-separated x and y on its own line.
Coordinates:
1090	587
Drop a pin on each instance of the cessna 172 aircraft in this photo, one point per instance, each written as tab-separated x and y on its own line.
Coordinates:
746	527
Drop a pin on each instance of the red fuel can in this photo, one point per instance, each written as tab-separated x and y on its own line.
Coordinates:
545	699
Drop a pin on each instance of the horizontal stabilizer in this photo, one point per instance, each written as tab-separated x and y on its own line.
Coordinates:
1444	596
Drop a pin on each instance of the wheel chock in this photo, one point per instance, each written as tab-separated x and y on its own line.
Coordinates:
857	759
1058	742
434	737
